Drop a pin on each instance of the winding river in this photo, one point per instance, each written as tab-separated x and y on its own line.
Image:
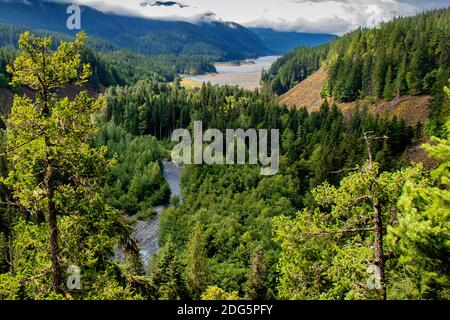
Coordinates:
146	232
246	75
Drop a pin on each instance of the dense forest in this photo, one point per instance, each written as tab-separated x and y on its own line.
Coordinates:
404	56
348	216
318	152
136	184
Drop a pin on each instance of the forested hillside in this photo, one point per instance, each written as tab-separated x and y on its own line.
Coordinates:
405	56
110	63
317	148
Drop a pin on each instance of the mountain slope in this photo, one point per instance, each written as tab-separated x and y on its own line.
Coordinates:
392	64
307	95
222	40
282	42
131	66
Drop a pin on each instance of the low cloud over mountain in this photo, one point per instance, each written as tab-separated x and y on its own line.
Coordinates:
318	16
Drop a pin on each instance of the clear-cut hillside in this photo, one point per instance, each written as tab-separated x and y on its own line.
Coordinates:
307	94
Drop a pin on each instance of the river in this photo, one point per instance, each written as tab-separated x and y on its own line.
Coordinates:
246	75
146	232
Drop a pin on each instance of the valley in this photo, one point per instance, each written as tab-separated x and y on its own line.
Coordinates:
357	209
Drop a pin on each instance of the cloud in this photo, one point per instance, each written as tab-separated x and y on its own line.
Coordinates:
321	16
333	25
353	14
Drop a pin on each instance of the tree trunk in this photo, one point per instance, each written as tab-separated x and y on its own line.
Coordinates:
53	224
379	257
12	268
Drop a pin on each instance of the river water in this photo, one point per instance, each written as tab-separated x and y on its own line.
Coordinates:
246	75
146	232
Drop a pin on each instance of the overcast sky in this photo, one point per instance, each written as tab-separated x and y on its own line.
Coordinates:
336	17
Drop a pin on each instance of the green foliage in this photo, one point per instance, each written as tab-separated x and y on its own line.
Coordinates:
4	253
215	293
235	206
405	56
256	283
421	235
151	107
196	271
55	176
220	39
306	233
246	203
110	64
325	251
136	183
166	275
133	67
294	67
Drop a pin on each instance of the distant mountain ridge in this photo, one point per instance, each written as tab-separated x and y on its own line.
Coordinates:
217	39
221	40
281	42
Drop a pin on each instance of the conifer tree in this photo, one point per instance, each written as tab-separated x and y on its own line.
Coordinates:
196	271
255	287
48	138
166	275
420	240
388	92
401	86
379	73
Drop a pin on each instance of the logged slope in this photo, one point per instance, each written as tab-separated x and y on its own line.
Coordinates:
223	40
306	94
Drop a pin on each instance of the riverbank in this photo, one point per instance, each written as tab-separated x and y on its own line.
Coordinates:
146	231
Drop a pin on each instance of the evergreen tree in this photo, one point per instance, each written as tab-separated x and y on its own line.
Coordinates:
166	275
48	138
401	87
56	177
256	287
379	73
417	68
196	271
420	240
388	92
